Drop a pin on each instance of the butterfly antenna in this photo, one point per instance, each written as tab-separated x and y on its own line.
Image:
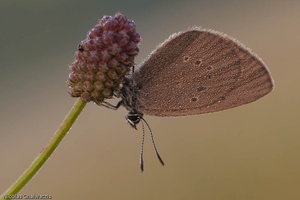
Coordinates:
142	150
153	142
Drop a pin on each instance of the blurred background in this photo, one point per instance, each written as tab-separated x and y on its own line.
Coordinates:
249	152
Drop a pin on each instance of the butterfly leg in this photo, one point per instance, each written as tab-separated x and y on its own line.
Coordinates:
110	106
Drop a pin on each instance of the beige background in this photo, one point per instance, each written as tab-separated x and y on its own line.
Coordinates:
250	152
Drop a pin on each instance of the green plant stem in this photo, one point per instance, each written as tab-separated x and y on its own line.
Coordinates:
47	151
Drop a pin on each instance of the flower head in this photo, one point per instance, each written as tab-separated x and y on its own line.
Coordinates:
103	59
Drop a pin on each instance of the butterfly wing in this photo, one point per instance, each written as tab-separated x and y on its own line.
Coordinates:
199	71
